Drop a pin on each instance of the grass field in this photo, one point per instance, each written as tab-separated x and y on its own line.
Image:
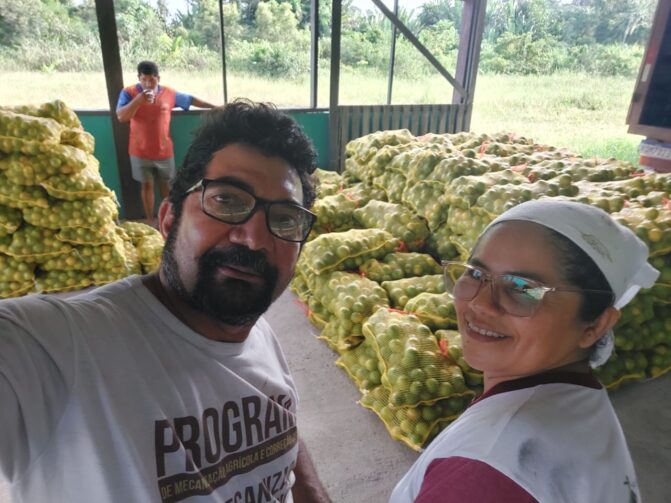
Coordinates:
583	113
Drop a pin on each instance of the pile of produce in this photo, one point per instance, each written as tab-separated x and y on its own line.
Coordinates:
59	226
370	273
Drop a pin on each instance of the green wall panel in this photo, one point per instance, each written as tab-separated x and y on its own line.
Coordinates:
99	124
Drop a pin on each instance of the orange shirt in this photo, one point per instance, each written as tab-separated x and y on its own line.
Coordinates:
150	126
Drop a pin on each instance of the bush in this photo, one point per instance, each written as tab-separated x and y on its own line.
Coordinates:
269	59
607	60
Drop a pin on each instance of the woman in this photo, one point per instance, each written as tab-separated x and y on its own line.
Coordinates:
536	304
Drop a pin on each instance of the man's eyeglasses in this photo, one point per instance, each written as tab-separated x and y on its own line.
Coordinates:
234	205
515	295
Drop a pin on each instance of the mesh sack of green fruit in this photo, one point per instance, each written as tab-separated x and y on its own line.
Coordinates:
317	314
351	299
455	166
435	310
93	236
396	219
88	258
63	281
622	367
56	110
29	169
392	183
10	220
70	159
427	199
9	289
346	250
639	310
39	129
362	366
600	170
655	331
21	196
376	164
99	212
361	193
464	191
365	147
334	213
414	369
652	225
150	250
87	184
449	342
423	162
340	336
439	244
467	223
36	244
16	271
137	230
414	426
400	265
78	138
400	291
500	198
590	193
659	360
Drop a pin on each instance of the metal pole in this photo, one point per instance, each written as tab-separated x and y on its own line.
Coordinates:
130	189
334	143
314	51
223	48
392	56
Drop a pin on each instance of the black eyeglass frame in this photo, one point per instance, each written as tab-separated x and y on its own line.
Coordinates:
488	277
258	203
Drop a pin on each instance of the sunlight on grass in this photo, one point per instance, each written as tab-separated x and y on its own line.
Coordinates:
583	113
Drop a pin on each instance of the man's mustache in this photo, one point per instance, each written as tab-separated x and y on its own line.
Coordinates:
236	256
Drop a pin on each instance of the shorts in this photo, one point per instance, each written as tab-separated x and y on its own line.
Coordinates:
143	169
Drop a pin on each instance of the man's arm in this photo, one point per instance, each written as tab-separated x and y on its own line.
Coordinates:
307	488
126	112
197	102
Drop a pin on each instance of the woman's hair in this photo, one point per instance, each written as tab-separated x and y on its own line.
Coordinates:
580	271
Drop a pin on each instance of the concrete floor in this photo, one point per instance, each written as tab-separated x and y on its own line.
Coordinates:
360	463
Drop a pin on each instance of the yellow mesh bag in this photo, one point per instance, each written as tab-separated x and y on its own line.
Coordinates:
414	426
449	342
10	220
400	291
86	184
622	367
19	196
93	236
56	110
10	289
150	249
36	244
78	213
659	359
396	219
439	244
652	225
453	167
435	310
71	159
15	271
427	199
78	138
27	126
63	281
414	369
89	258
346	250
400	265
334	213
362	366
392	183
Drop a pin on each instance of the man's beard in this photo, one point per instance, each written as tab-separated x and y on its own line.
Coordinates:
231	301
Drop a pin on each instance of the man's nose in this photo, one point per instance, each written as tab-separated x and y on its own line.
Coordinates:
253	233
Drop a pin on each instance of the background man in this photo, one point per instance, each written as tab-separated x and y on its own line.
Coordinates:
148	106
171	386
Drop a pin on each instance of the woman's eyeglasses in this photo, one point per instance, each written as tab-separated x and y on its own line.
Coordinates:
234	205
515	295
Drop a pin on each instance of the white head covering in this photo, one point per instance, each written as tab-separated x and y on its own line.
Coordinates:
619	254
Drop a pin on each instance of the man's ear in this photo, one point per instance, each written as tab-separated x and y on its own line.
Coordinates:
598	328
166	218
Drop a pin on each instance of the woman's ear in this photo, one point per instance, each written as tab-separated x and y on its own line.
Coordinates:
166	218
598	328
